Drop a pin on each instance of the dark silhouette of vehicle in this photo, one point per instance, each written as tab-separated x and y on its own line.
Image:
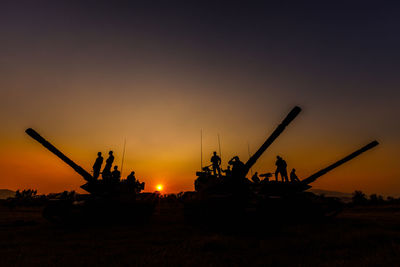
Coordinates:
108	200
222	197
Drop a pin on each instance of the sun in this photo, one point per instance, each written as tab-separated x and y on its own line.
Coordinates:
159	187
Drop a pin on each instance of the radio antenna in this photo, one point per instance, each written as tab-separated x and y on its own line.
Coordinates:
201	149
248	150
123	156
219	146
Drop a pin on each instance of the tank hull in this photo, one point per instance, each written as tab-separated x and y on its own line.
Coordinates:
93	210
228	210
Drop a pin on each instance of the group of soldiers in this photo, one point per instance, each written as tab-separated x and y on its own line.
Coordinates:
238	169
281	168
107	174
235	171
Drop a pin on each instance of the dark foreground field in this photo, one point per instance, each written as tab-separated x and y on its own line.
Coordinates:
367	236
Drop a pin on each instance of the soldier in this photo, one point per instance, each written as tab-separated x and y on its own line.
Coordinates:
97	166
255	178
293	176
216	161
237	167
131	179
107	167
116	174
281	169
228	171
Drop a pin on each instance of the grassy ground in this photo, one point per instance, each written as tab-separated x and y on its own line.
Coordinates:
357	237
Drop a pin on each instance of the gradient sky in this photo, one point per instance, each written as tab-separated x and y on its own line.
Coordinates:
87	74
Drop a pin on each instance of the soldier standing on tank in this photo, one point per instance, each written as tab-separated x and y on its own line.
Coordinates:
281	169
107	167
97	165
131	179
293	176
237	167
116	174
216	162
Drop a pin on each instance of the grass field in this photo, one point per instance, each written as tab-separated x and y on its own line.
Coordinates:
368	236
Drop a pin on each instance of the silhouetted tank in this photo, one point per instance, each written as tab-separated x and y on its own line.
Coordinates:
107	201
222	197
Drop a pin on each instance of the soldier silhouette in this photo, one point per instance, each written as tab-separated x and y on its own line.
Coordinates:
131	179
255	178
97	165
228	171
281	169
107	168
237	167
293	176
116	174
216	161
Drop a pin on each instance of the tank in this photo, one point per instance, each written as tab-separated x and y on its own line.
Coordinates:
234	197
105	202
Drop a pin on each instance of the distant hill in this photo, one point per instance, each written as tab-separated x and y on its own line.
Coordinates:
330	193
346	197
5	193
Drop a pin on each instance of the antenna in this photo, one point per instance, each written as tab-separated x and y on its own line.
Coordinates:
248	150
219	146
201	149
123	156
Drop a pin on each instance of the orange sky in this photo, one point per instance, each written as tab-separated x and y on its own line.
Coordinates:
163	155
88	76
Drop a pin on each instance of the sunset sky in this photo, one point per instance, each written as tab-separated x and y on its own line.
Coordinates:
88	74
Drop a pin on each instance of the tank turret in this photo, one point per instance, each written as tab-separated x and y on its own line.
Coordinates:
280	188
207	182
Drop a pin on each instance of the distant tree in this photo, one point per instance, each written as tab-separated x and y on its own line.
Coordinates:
392	200
373	199
359	198
179	195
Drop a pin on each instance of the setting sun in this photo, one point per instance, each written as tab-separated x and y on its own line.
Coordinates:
159	187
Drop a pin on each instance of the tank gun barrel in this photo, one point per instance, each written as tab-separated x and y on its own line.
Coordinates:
318	174
281	127
32	133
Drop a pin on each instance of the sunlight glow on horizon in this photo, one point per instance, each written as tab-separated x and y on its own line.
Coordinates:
159	187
